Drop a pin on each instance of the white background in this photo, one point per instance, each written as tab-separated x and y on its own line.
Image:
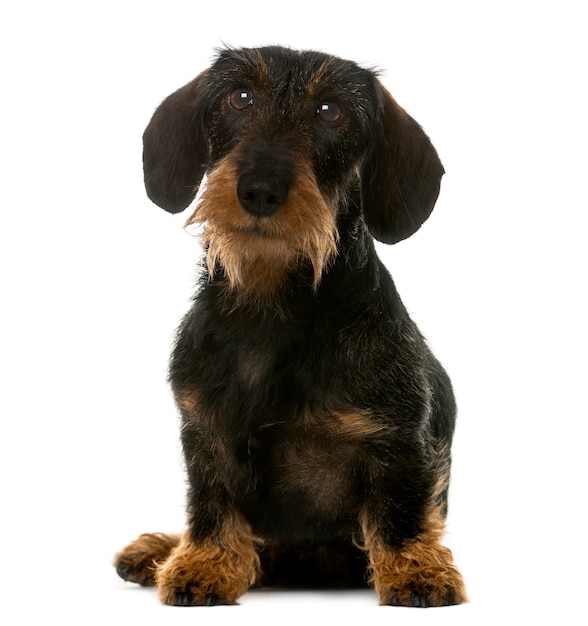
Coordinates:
95	278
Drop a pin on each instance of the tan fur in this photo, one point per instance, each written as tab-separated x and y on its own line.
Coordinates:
354	425
188	399
140	559
256	253
422	567
223	567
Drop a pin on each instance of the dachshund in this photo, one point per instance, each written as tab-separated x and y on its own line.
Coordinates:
316	424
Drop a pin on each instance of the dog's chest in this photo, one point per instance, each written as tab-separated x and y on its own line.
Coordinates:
306	471
252	367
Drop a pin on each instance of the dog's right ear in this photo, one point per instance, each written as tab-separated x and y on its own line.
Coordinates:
175	148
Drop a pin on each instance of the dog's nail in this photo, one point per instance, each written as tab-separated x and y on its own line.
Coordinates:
184	599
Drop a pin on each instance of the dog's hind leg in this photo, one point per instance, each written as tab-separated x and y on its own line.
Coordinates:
138	562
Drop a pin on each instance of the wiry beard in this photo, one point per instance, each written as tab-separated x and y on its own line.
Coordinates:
256	254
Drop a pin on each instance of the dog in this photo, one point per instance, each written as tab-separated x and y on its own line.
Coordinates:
316	424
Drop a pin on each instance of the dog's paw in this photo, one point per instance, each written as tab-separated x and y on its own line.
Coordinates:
424	596
193	584
426	587
420	574
205	574
138	562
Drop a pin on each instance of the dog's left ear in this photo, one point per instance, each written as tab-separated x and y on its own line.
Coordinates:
401	175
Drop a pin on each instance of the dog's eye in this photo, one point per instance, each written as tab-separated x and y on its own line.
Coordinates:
241	98
329	111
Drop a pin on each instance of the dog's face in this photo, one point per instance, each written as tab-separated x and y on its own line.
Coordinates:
273	109
288	140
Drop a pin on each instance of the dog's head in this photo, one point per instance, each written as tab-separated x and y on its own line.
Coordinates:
286	138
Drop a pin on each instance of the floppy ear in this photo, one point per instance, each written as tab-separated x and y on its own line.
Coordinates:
175	148
401	174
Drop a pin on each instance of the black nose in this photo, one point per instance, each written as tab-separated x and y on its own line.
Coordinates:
261	195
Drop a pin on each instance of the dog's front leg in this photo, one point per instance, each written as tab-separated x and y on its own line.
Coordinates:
418	571
212	570
216	560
